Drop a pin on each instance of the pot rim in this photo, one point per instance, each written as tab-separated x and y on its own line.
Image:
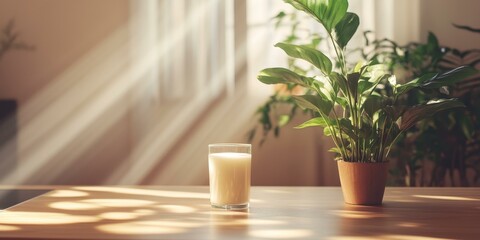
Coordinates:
341	160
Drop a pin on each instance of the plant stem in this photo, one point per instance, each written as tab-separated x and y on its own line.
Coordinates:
394	140
341	59
341	138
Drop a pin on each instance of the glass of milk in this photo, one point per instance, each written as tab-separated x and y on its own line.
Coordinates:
229	167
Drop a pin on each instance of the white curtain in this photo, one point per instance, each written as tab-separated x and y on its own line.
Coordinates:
197	49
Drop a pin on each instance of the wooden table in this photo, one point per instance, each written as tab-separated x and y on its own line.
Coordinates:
275	213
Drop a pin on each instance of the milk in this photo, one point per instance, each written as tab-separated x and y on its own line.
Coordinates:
229	178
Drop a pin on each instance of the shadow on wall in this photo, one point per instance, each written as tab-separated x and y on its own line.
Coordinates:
8	137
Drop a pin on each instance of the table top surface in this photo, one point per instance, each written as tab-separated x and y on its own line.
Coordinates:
161	212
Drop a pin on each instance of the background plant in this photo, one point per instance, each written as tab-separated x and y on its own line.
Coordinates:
452	140
280	108
359	108
9	40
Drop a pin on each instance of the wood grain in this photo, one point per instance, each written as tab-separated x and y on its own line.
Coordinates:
133	212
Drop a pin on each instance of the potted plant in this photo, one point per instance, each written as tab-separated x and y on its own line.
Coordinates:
358	107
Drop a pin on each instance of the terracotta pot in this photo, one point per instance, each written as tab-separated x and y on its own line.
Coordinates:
363	183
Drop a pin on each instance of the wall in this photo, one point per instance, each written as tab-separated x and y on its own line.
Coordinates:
411	20
438	16
61	32
51	93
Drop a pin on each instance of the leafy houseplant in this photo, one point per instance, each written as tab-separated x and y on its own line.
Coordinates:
357	107
451	141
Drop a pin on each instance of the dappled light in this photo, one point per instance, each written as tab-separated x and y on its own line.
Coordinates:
68	193
140	228
110	212
409	224
251	222
176	208
118	202
43	218
358	214
8	228
86	204
118	215
150	227
143	212
281	233
220	221
147	192
278	191
453	198
226	213
402	200
74	206
348	238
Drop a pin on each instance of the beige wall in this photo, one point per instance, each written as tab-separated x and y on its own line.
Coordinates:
411	20
437	16
62	33
298	157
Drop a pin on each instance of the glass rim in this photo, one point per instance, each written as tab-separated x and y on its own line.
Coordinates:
230	145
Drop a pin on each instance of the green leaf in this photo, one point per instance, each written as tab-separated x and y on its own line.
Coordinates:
251	135
276	131
342	101
366	87
283	75
415	83
352	80
283	120
335	150
372	104
327	131
311	55
432	41
347	128
420	112
363	85
343	129
339	80
314	102
328	12
345	29
279	17
468	28
318	121
467	126
450	77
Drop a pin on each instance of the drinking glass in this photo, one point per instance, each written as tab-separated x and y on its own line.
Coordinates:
229	166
